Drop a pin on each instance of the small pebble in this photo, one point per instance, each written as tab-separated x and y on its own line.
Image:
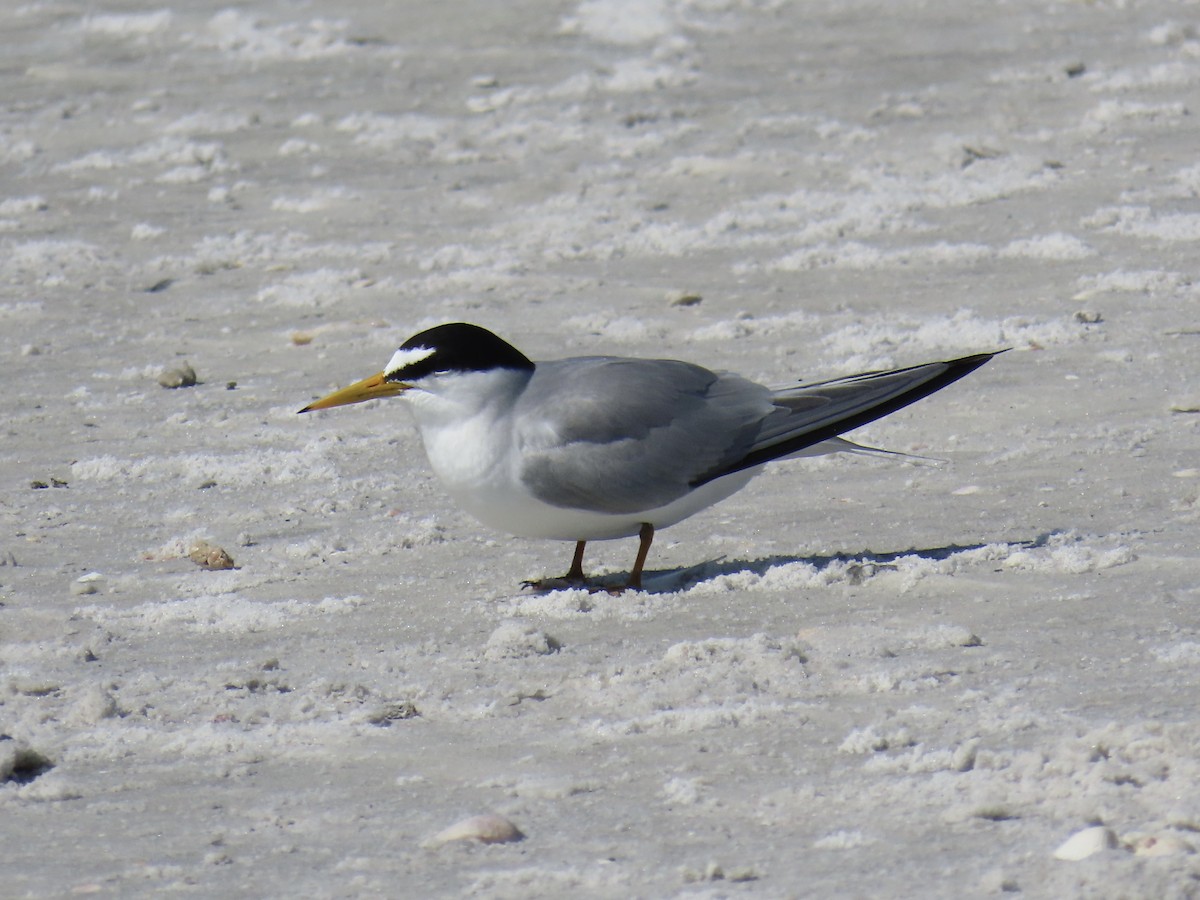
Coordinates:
972	155
92	705
185	376
685	298
393	712
487	829
514	640
1161	845
210	556
1083	844
91	583
997	881
716	872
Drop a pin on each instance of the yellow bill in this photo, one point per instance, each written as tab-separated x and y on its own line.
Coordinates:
367	389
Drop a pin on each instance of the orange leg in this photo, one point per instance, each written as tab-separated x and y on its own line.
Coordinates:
575	573
646	536
573	578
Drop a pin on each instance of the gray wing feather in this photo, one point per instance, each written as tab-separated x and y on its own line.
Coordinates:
801	408
623	435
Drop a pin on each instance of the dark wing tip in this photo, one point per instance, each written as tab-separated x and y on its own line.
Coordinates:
955	369
965	365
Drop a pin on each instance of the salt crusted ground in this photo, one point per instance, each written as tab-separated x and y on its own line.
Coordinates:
855	679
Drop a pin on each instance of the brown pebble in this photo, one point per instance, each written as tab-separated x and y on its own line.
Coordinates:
185	376
210	556
487	829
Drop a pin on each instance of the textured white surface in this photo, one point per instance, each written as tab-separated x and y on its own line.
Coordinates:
854	678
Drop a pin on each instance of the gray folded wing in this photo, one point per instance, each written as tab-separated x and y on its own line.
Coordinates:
620	435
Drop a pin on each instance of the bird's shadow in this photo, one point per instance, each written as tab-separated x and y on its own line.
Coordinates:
859	566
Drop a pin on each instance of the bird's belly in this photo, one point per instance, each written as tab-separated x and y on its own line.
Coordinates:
476	465
508	507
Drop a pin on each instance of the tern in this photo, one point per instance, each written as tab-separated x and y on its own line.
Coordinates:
595	448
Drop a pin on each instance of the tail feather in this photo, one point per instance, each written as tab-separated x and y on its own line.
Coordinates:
841	445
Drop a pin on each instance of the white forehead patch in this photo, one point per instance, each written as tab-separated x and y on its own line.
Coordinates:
402	358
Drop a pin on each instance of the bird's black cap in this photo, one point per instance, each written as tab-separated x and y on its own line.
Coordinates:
457	347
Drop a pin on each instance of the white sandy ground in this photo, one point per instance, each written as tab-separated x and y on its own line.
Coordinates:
854	679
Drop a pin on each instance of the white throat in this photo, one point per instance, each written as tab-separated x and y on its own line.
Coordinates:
466	426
